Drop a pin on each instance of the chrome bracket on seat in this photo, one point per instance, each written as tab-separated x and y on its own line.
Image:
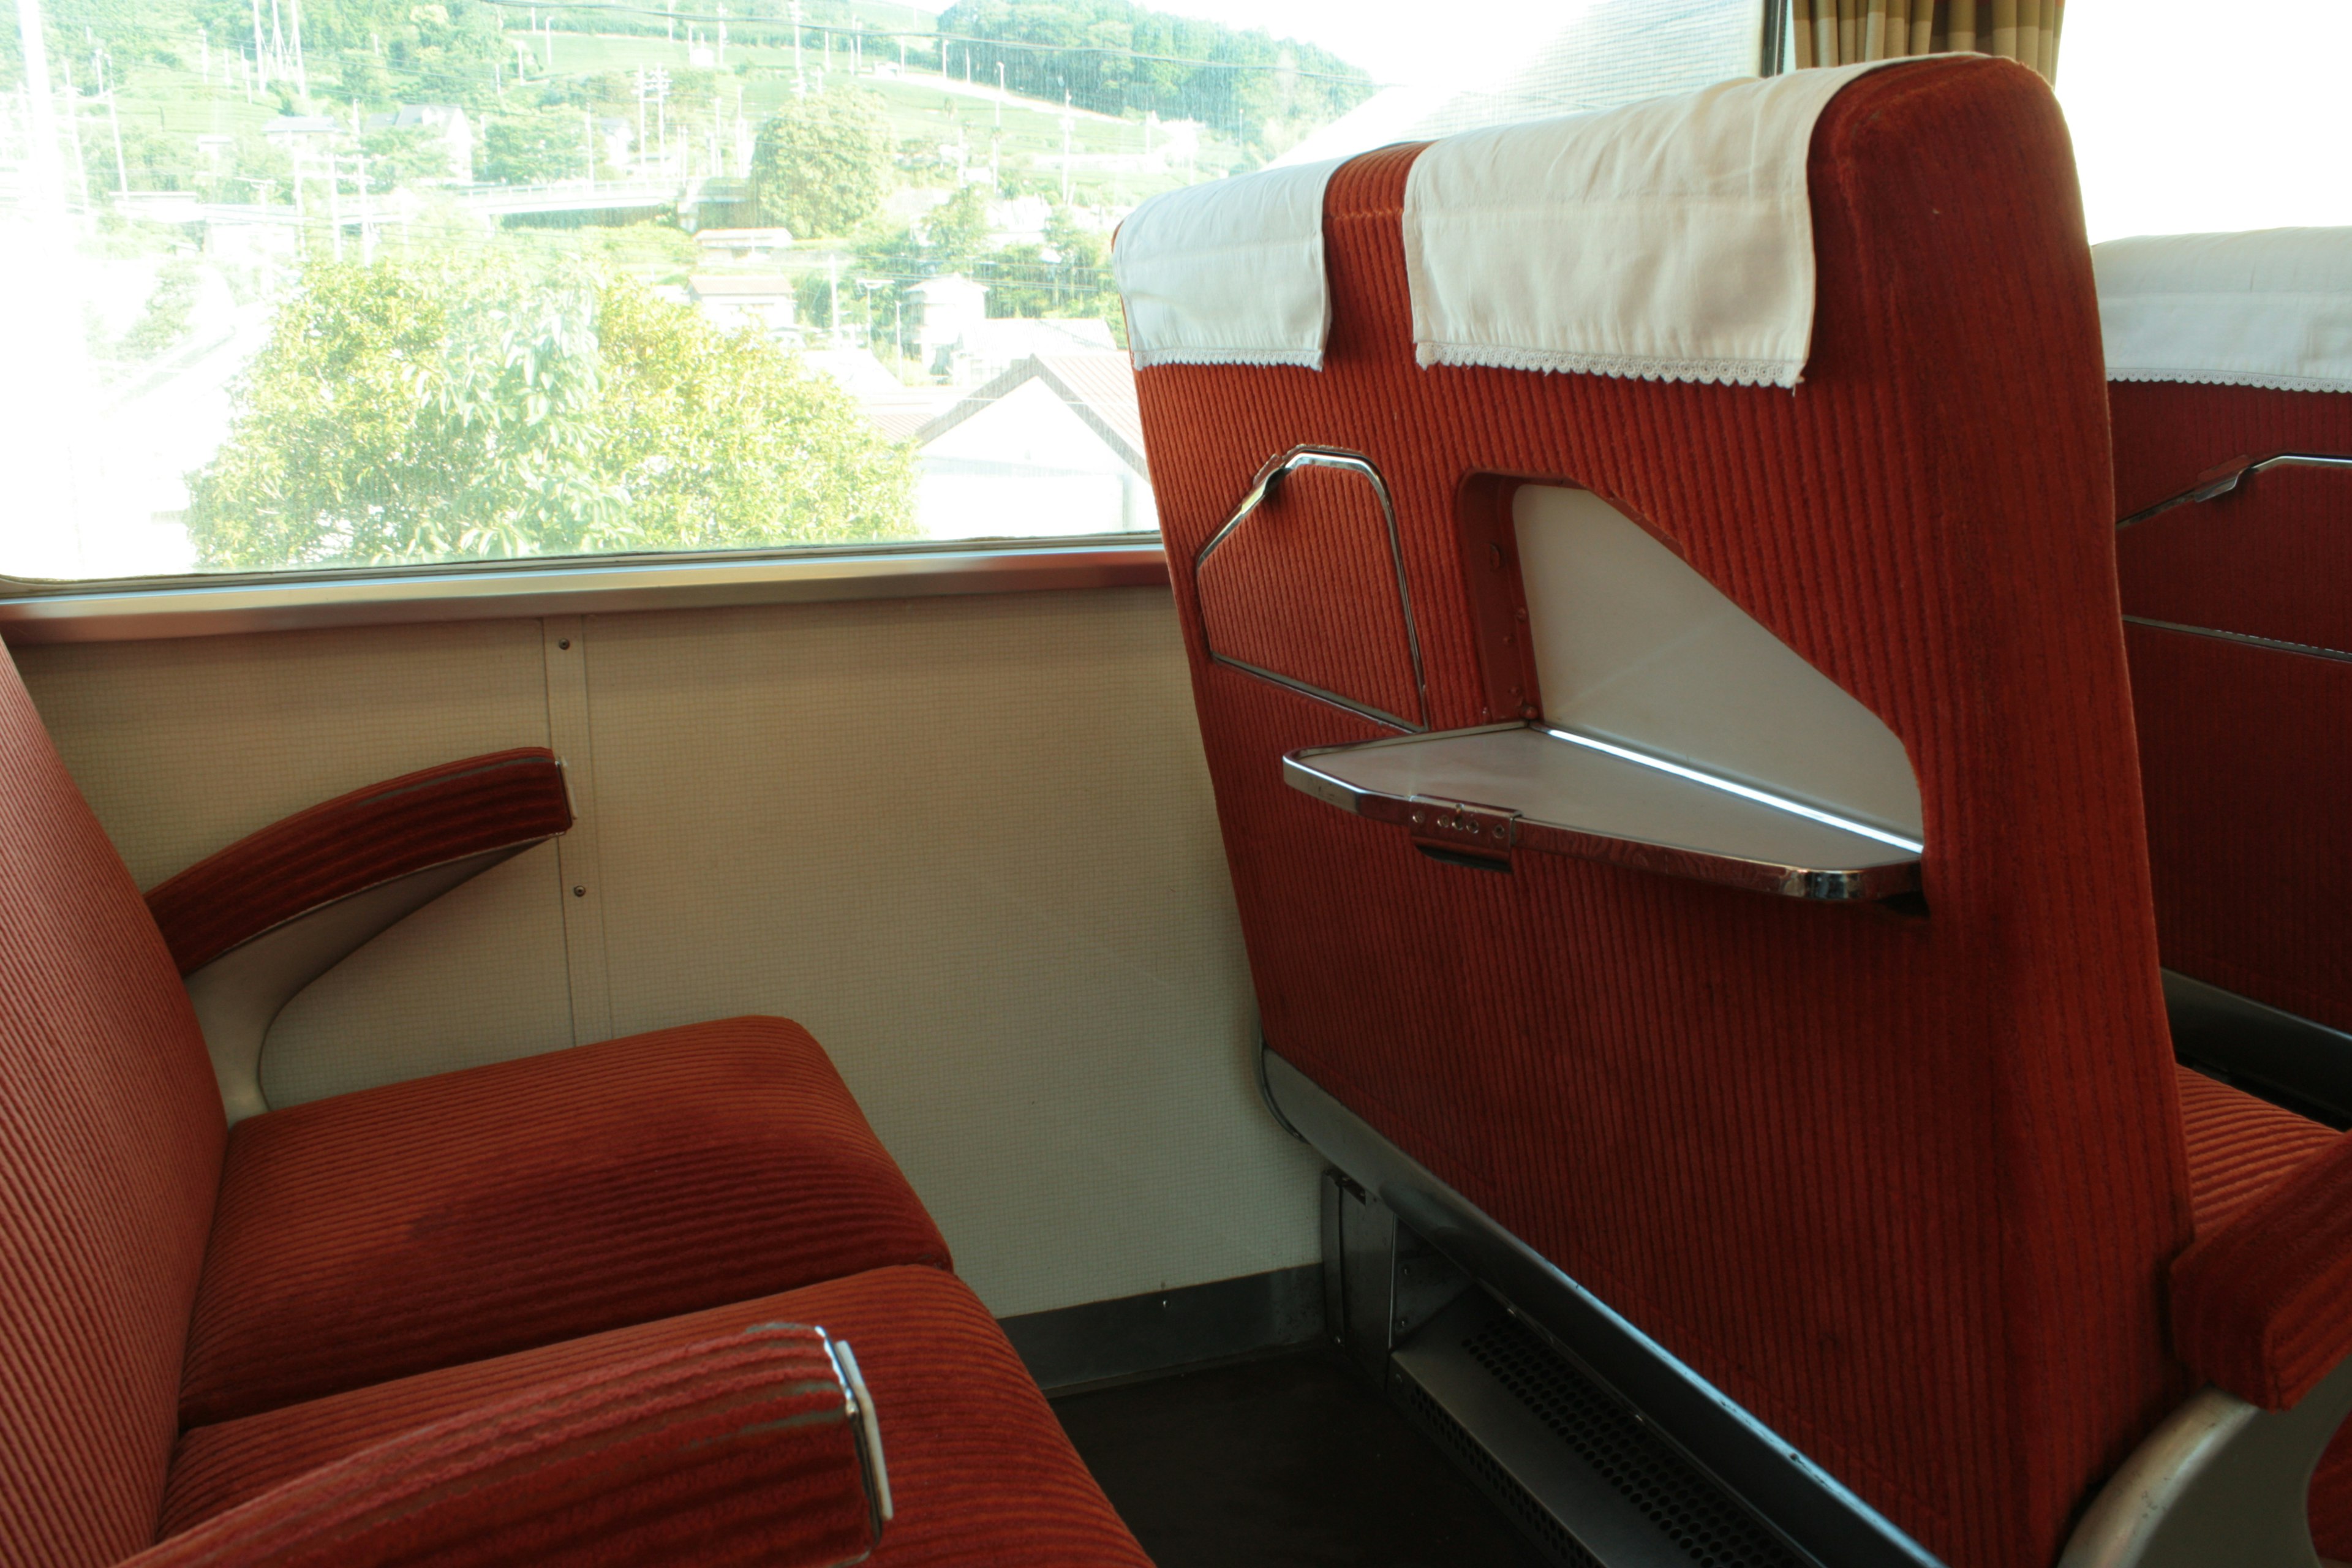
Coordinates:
1263	490
2214	485
2220	1481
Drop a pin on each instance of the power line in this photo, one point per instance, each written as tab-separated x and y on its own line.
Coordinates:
1357	79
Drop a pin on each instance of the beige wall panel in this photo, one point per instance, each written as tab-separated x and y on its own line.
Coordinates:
185	746
475	976
969	842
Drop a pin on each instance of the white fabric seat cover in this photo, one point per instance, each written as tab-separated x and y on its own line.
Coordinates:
1671	239
2271	308
1229	271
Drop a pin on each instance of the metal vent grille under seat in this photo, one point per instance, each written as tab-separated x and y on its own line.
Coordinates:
1582	1474
1515	1499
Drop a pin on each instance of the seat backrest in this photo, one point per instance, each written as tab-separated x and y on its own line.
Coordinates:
1903	1185
110	1138
2239	612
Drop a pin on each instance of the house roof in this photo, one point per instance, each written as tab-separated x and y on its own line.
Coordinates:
1099	388
740	286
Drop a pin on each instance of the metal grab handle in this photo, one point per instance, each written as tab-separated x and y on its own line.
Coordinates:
1262	489
2214	484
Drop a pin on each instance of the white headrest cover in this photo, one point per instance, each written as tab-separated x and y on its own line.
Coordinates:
1228	272
1671	239
2273	307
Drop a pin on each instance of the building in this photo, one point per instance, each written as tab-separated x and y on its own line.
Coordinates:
743	243
1053	446
446	123
944	309
289	132
738	299
899	411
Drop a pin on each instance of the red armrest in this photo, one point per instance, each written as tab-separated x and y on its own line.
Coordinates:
2263	1307
356	841
743	1450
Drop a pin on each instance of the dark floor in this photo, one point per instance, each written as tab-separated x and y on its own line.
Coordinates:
1289	1462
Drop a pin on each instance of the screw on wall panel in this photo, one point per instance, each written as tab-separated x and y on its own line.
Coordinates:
579	891
563	642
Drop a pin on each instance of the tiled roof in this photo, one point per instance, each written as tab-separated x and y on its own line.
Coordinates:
1100	386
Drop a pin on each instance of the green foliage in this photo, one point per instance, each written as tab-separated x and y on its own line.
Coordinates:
1067	276
1091	48
169	312
534	148
722	441
956	231
406	155
822	166
425	411
155	161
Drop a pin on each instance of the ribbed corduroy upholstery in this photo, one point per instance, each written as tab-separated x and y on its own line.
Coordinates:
444	1219
1309	580
2260	1304
2238	1147
357	840
1905	1188
733	1450
979	1467
2247	838
110	1152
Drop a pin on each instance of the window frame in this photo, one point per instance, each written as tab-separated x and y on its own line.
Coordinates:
131	609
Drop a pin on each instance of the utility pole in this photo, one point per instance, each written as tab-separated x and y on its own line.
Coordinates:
1000	95
301	69
1067	124
721	57
588	134
261	69
335	199
800	81
114	120
46	184
73	131
367	213
641	114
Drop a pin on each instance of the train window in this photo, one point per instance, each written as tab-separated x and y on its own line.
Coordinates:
303	284
2184	122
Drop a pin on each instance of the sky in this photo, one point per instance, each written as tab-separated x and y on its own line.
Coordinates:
2183	123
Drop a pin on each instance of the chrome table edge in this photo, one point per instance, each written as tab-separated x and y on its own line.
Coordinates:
1848	884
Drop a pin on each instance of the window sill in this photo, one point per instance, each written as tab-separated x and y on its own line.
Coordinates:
140	609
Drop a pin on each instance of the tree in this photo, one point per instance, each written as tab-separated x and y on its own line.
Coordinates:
722	441
535	148
822	166
427	412
1115	56
406	155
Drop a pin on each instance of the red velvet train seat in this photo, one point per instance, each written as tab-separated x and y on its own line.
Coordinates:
446	1219
159	1272
1903	1180
2239	619
978	1467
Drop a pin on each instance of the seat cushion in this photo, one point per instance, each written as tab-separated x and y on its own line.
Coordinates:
2238	1147
980	1470
448	1219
